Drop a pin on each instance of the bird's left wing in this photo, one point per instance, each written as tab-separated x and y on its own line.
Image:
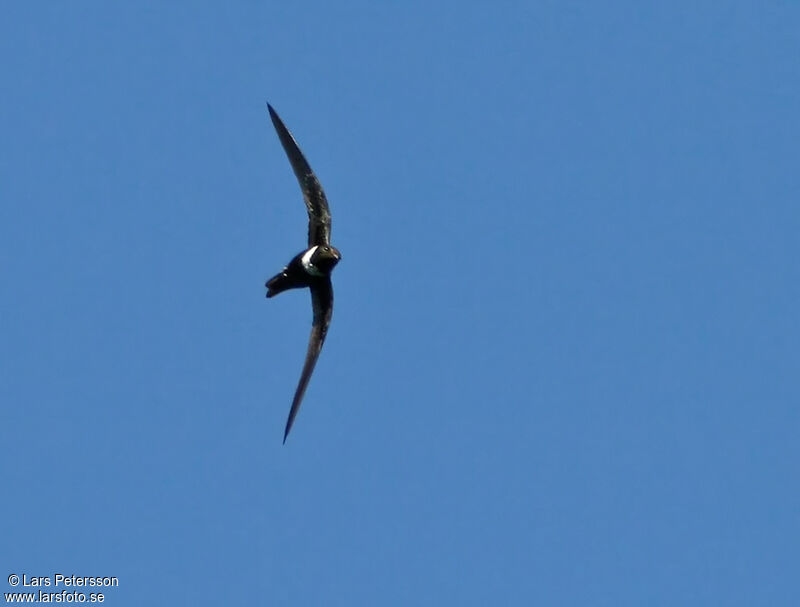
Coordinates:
322	302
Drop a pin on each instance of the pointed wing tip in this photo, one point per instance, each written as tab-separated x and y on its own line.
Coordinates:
289	422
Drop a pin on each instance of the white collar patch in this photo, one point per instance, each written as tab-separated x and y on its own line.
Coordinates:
309	267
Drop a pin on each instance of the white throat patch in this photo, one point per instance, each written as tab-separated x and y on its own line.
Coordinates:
309	267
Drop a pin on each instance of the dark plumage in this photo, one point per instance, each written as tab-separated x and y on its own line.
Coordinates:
312	268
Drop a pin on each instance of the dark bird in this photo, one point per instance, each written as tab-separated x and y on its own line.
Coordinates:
311	268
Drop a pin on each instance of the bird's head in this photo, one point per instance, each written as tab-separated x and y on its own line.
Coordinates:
326	257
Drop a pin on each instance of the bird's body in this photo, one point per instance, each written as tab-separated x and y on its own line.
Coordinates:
304	270
311	268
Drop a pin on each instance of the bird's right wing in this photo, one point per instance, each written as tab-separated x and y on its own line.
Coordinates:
319	216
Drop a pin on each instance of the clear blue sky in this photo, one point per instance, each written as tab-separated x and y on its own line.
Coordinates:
563	364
